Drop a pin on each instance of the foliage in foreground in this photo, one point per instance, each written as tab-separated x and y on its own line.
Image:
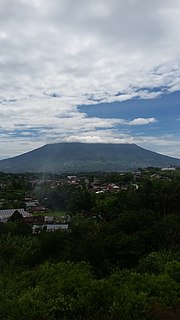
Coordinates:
71	291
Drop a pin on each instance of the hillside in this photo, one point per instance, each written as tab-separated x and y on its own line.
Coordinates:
75	157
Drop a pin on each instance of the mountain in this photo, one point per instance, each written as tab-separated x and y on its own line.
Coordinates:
79	157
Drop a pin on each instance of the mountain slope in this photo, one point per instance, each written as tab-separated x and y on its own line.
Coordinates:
73	157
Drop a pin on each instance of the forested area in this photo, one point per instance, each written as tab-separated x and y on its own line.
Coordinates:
119	259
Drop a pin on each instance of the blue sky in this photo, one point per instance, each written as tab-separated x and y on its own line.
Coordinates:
164	109
89	71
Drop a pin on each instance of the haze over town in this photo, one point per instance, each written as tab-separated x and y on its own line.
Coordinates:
89	71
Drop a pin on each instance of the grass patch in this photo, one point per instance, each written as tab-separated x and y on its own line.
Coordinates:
52	214
56	213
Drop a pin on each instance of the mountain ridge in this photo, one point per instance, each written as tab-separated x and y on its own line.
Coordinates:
77	156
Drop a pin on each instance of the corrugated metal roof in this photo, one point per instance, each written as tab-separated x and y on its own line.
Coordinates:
9	212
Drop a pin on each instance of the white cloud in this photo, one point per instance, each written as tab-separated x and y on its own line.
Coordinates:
142	121
167	144
78	47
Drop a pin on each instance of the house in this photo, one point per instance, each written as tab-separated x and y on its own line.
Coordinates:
34	220
49	227
49	219
168	169
7	213
32	204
